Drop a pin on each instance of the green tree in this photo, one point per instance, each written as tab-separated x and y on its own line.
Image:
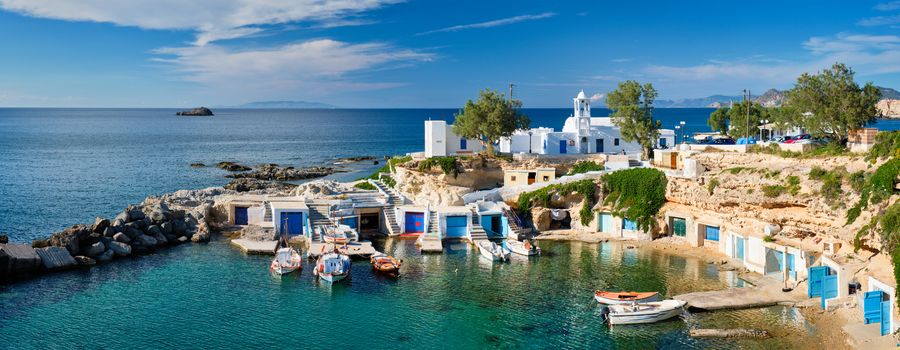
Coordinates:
718	120
737	115
490	118
831	103
632	107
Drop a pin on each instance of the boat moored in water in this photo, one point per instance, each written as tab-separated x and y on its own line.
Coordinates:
639	313
613	298
493	251
385	263
527	247
286	260
333	266
337	234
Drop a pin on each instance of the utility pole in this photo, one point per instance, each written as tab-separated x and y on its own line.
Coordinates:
747	132
510	91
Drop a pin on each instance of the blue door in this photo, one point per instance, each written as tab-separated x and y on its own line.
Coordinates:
504	223
872	307
415	222
240	215
739	247
350	221
792	273
628	224
816	275
662	142
456	226
462	144
712	232
829	288
886	317
562	146
292	223
599	145
491	224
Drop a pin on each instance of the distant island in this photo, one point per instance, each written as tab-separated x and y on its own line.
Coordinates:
196	112
770	98
285	105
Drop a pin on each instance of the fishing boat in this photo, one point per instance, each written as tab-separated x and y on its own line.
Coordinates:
638	313
385	263
337	234
287	259
527	248
613	298
333	266
493	251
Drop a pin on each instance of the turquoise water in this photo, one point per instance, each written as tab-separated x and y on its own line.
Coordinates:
212	296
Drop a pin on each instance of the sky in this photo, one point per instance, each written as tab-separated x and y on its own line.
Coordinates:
411	54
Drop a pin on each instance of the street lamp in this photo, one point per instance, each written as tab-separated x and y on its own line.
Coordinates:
682	130
529	141
677	127
764	122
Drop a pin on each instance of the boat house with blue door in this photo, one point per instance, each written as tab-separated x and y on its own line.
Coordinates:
292	218
878	306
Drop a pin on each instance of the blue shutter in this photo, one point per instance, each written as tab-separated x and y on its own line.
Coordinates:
739	247
886	317
816	277
712	233
829	288
872	307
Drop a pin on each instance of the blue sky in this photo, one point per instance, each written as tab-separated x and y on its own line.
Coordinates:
387	53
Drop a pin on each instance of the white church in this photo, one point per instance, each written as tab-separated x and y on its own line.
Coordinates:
581	134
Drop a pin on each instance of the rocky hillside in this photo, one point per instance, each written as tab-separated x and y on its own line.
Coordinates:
771	98
889	108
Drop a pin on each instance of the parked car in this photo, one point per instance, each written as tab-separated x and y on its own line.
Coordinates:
779	139
798	138
723	141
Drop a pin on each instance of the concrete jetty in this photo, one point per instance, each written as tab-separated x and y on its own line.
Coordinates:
249	246
766	293
353	249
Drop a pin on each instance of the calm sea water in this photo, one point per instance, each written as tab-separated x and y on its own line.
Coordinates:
211	296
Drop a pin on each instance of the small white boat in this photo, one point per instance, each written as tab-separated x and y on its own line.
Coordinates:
526	248
340	234
493	251
613	298
332	267
286	260
637	313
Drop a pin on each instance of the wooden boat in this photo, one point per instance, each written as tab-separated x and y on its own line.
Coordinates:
638	313
385	263
493	251
286	260
340	234
527	248
613	298
332	267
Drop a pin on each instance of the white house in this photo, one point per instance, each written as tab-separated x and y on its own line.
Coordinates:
581	134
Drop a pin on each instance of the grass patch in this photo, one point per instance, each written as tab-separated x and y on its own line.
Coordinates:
878	187
828	150
887	144
365	185
768	239
391	163
739	169
448	165
793	185
772	191
584	166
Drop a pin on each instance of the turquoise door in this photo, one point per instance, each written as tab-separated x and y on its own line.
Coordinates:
792	273
456	227
872	307
886	317
679	227
606	223
822	284
739	247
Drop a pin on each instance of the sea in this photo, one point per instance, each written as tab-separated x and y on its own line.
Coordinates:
60	167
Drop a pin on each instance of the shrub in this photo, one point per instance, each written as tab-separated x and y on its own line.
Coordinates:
386	168
887	144
817	173
541	197
793	186
584	166
772	191
879	186
365	185
713	183
447	164
389	180
768	239
637	194
857	180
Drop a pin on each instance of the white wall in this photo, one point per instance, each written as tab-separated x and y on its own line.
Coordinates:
435	138
873	285
755	254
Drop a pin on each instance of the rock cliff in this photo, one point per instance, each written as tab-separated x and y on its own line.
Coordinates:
889	108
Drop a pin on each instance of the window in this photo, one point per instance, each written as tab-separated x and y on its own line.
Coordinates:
712	233
629	224
546	178
512	178
615	142
679	227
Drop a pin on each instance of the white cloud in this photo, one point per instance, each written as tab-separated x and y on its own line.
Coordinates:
597	97
212	20
322	65
880	21
867	54
494	23
888	6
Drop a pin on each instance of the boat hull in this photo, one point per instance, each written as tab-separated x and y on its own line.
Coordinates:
519	248
487	250
646	312
610	299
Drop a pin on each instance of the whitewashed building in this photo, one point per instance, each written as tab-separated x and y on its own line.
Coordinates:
581	134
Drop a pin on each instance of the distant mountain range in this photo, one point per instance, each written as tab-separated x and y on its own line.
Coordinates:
284	105
770	98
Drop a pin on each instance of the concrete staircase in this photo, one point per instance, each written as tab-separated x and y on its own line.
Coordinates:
478	231
517	231
393	199
267	216
431	241
390	219
318	215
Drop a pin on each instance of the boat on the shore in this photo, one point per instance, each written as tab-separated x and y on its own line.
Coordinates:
385	263
337	234
493	251
639	313
613	298
333	266
527	247
286	260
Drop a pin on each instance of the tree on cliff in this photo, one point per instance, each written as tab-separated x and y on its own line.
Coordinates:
832	103
491	117
632	107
